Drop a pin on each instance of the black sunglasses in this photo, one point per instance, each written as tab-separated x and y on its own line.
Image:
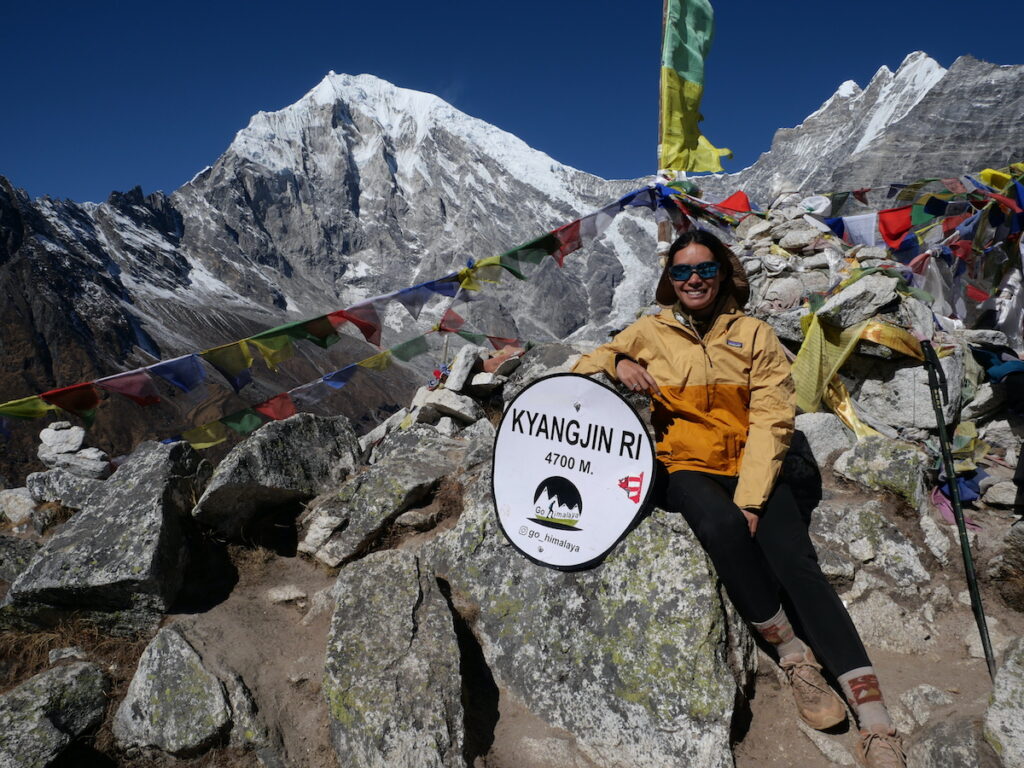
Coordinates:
681	272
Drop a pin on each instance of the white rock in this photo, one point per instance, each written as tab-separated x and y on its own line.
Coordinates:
450	403
923	700
288	593
987	400
862	550
798	239
484	383
61	437
935	539
462	366
16	505
858	301
1004	434
884	624
827	745
446	426
91	463
73	653
1002	494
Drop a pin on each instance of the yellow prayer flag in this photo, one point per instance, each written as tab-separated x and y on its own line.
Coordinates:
379	362
206	436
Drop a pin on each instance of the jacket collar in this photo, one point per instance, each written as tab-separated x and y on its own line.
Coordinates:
726	314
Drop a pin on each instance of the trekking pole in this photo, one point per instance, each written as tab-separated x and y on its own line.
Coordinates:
937	384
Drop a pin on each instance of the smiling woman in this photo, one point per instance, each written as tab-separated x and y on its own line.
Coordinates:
723	411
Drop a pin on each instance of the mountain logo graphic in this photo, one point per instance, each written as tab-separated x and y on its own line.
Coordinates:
557	504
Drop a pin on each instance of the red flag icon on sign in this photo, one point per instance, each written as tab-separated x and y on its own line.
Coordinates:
632	485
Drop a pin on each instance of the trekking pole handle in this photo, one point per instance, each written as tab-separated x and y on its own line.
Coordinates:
936	376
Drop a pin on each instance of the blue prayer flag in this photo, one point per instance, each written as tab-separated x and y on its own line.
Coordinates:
186	373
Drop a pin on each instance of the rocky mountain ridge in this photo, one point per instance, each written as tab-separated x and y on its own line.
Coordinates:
922	121
361	187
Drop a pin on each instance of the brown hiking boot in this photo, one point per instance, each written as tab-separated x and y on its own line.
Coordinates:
819	706
881	750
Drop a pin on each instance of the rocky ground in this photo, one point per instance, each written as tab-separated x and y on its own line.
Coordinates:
319	598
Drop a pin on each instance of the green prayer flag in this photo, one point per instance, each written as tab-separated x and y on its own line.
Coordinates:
476	338
407	350
244	422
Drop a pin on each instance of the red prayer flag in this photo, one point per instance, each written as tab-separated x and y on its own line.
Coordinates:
952	222
976	294
278	407
499	342
962	249
1004	200
568	241
894	223
862	194
737	202
451	321
79	399
364	317
135	385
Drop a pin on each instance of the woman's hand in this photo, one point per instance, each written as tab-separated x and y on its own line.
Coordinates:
636	377
752	520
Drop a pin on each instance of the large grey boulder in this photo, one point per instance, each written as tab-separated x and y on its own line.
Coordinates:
392	680
1004	718
826	435
120	561
859	301
895	392
59	485
174	704
957	742
632	657
281	463
41	717
868	538
15	555
341	525
886	465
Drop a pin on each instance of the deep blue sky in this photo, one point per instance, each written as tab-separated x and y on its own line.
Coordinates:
106	95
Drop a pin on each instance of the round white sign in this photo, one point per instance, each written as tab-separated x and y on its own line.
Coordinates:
573	467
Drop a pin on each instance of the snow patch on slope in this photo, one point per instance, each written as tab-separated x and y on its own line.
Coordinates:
405	119
900	93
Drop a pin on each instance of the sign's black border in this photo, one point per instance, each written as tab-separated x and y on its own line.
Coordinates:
641	507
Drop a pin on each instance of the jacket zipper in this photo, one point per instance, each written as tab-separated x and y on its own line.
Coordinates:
684	319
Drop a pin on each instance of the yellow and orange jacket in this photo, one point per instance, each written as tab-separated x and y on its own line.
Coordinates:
727	401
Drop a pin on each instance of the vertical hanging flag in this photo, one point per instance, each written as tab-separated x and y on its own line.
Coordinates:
689	27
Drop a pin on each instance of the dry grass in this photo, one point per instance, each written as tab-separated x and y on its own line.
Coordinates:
250	561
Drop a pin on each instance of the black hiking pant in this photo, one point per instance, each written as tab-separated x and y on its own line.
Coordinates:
758	570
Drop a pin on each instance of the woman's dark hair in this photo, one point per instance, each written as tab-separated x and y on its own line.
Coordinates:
718	249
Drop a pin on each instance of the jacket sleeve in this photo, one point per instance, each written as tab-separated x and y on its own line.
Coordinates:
629	342
771	417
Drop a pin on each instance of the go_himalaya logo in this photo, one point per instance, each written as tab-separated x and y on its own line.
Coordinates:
557	504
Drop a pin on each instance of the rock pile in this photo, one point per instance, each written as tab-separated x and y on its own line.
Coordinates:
441	645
